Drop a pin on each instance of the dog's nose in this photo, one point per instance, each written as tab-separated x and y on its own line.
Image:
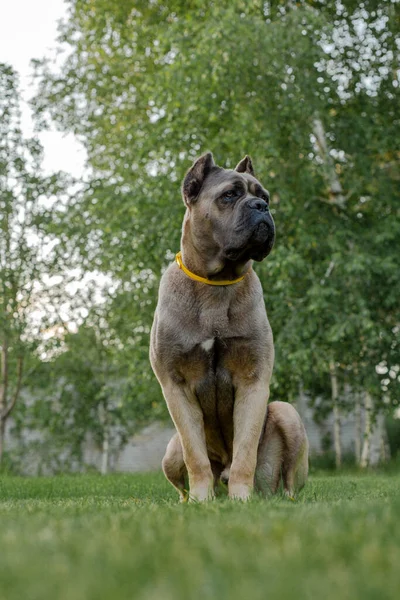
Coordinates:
258	204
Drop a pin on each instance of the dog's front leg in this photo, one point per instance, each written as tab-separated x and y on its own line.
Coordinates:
248	420
188	418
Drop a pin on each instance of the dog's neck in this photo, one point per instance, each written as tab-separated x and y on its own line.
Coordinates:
195	258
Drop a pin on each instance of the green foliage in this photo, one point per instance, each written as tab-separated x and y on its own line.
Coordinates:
87	390
28	250
149	86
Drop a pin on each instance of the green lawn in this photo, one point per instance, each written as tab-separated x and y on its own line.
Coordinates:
126	537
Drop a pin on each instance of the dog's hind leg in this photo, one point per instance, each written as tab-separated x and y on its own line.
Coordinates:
295	469
174	467
283	451
269	460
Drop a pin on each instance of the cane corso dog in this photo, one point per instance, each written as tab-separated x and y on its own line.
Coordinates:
212	348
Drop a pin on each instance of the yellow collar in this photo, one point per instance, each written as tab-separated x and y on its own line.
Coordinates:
178	259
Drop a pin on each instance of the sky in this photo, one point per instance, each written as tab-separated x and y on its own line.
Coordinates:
28	29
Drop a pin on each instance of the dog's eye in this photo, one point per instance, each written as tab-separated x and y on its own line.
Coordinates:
265	197
229	195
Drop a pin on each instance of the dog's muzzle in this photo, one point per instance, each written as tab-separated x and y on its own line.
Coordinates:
257	204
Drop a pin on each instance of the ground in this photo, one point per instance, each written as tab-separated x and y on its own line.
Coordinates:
126	537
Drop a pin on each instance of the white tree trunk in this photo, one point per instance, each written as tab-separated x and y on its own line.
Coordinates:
385	448
337	429
2	435
379	450
301	404
105	448
365	454
336	195
357	429
336	416
105	451
3	392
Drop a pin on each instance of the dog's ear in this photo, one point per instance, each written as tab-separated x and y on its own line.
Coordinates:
245	166
195	177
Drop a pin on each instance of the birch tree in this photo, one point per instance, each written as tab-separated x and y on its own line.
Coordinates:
27	255
310	90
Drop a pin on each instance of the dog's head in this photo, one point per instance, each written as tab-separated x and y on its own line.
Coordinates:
228	210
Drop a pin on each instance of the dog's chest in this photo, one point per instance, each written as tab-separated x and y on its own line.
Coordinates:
217	349
212	370
217	345
207	374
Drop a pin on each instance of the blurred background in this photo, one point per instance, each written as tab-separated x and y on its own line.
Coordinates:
104	104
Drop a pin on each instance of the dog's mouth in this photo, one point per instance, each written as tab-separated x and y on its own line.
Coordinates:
233	253
261	232
257	246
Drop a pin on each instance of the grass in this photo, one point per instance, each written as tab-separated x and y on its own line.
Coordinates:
126	537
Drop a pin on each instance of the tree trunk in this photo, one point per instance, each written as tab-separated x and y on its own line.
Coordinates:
384	446
2	432
3	376
378	446
336	195
337	436
105	448
3	393
336	416
357	429
365	454
105	451
301	404
6	407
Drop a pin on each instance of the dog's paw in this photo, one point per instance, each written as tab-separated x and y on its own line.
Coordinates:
183	496
201	494
240	491
224	477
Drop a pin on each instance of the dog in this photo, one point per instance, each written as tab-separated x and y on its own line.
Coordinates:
212	348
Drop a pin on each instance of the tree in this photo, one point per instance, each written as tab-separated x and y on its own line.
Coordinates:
307	88
27	251
86	395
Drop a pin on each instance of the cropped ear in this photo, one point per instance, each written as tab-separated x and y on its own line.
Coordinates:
245	166
195	177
